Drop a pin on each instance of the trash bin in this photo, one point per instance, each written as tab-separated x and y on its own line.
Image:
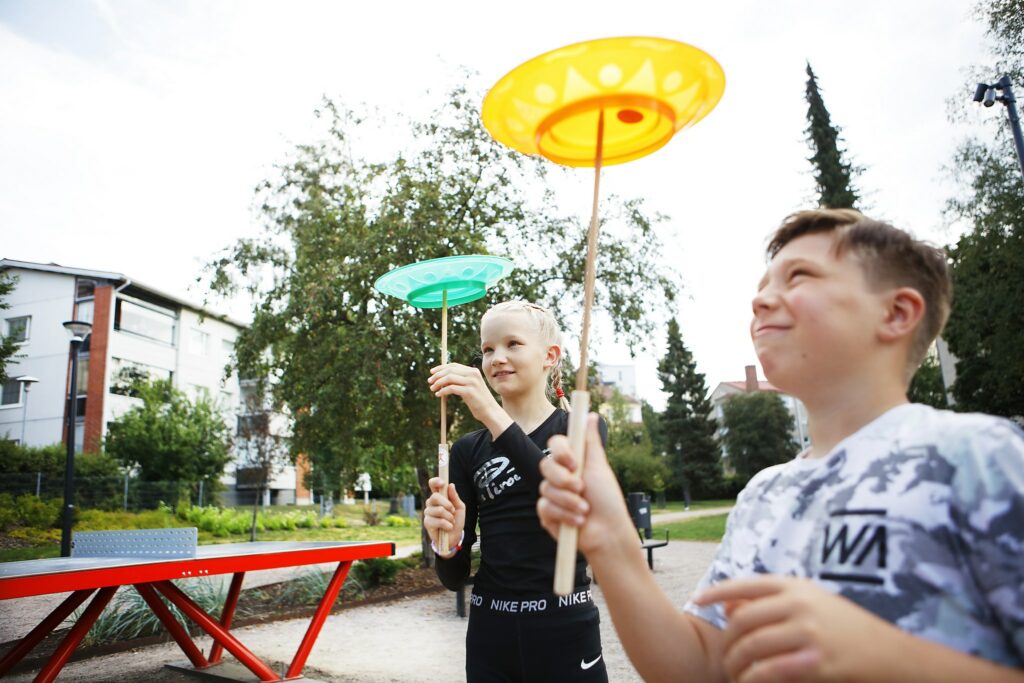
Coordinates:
639	505
409	505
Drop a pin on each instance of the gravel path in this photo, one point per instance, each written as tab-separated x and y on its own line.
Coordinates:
416	639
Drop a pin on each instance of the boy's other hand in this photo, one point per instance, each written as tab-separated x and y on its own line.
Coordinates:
594	503
444	510
789	629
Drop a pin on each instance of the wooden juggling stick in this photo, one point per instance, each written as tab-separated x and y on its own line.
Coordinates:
565	557
442	446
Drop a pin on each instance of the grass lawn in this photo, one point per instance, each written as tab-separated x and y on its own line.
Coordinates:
678	506
710	528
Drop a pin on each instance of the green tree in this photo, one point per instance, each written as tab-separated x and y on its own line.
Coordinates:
926	387
8	345
987	262
687	426
652	421
758	432
630	452
351	365
169	437
833	175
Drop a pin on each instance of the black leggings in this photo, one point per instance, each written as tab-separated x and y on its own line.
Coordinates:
534	646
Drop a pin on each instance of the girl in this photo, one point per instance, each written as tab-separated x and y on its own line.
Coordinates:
518	630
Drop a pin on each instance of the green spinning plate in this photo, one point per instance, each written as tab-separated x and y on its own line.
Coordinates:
465	278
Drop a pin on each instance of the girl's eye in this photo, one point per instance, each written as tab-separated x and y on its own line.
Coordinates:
487	350
513	343
795	273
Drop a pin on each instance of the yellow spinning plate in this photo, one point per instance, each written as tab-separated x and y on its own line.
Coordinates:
648	88
598	103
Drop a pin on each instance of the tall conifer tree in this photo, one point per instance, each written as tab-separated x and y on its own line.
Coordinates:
687	427
833	175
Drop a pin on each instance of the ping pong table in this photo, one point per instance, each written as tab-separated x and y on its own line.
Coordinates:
151	576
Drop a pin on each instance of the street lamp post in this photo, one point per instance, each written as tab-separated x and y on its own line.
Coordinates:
26	383
986	94
79	331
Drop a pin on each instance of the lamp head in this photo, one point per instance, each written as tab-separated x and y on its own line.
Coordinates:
979	92
26	380
79	330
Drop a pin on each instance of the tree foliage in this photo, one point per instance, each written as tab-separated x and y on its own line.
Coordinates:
758	432
987	261
833	174
8	345
927	387
687	427
351	365
630	452
169	437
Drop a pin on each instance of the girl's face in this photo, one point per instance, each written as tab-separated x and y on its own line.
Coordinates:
515	358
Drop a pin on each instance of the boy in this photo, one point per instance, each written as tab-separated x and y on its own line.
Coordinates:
892	549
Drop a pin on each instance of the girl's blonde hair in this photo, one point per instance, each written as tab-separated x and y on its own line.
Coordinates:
550	334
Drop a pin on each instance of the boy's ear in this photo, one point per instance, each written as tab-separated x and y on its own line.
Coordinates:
904	311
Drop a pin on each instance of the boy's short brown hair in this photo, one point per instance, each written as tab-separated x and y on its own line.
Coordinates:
889	256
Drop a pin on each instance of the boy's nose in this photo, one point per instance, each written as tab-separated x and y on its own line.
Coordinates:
764	300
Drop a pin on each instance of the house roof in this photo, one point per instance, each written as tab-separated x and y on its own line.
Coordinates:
762	385
120	279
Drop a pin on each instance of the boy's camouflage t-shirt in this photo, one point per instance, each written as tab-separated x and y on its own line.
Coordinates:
918	517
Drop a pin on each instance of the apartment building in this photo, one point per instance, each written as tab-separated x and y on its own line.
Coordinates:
136	330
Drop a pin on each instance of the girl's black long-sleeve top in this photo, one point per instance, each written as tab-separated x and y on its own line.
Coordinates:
498	480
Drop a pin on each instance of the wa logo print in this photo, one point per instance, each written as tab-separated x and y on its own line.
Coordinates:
855	547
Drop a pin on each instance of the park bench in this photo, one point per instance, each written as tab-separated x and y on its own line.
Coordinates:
639	505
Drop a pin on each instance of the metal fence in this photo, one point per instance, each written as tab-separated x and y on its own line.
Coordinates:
112	493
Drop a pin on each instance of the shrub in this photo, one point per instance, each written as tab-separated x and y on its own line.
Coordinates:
309	588
376	571
8	517
397	520
333	523
37	513
128	616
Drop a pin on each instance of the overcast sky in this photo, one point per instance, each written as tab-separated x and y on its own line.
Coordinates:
133	133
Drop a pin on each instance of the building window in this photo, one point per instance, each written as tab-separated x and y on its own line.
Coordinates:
84	288
198	342
11	393
126	375
83	311
19	328
151	322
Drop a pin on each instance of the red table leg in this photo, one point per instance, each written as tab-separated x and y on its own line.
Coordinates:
45	627
78	631
227	614
180	635
208	624
322	610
